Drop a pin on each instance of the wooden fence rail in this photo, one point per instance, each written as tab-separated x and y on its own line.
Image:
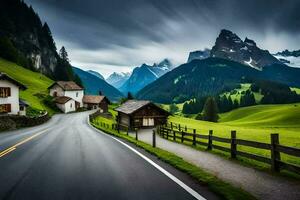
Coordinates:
179	133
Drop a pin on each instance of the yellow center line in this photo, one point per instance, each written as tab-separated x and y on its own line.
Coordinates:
14	147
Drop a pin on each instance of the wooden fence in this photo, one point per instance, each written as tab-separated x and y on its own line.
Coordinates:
179	133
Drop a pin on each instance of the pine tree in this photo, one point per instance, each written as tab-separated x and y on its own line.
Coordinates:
173	108
129	96
63	54
210	111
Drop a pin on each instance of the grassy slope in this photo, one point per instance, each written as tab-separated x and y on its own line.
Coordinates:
255	123
244	88
297	90
36	83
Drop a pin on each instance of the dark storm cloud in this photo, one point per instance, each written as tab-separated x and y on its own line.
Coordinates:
107	25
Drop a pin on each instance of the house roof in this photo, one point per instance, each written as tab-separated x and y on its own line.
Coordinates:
67	85
4	76
132	106
23	103
62	99
93	99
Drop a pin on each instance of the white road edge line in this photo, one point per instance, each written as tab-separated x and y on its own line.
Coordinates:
165	172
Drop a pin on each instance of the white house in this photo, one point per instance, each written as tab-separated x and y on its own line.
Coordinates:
65	104
9	95
67	89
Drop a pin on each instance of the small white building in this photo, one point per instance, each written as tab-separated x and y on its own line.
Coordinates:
65	104
68	89
9	95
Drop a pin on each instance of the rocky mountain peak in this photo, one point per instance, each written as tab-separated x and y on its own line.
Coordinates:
249	42
229	46
199	55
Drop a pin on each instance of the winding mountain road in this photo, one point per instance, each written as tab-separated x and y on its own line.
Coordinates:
67	159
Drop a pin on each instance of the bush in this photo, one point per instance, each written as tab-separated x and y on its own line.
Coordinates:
48	101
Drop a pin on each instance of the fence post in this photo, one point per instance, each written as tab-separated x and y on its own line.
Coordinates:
179	128
233	144
185	128
275	155
167	134
172	125
174	135
136	134
194	137
182	136
153	139
127	133
209	144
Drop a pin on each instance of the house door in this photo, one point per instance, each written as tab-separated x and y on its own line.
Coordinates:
148	122
77	105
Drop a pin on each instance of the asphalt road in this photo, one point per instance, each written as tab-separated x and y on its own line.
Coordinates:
67	159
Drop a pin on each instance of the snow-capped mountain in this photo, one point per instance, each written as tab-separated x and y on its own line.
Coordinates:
162	67
95	74
290	58
144	75
117	79
229	46
198	55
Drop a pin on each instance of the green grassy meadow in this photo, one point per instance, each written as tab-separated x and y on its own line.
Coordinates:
35	82
254	123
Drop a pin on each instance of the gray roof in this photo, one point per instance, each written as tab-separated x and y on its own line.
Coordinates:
131	106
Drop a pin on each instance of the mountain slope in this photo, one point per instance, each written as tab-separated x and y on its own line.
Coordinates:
36	83
229	46
140	77
25	40
96	74
94	84
118	79
212	76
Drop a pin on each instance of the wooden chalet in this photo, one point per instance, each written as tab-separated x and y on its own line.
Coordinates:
138	114
96	102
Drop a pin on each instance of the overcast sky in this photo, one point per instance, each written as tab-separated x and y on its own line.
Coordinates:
117	35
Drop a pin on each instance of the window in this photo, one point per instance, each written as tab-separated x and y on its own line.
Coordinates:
5	108
76	94
22	108
71	105
4	92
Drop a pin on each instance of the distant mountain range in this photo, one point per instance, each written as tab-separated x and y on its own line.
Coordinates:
212	76
144	75
93	84
118	79
229	63
290	58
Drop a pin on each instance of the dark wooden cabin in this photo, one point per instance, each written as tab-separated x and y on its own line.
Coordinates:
96	102
138	114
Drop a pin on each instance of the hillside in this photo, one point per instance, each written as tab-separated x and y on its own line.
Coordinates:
27	41
287	115
254	123
212	76
36	83
94	84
